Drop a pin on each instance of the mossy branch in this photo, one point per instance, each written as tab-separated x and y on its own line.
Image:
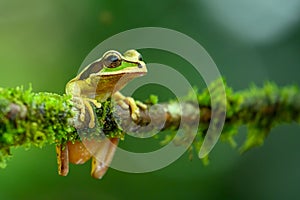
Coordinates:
35	119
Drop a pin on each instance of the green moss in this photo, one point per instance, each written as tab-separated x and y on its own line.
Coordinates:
32	119
153	99
260	109
107	122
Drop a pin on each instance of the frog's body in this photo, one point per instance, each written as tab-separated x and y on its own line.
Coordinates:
97	82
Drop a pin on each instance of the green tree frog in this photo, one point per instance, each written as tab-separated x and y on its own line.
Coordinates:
94	84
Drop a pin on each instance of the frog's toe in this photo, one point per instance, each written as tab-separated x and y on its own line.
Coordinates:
91	124
123	105
97	104
82	116
141	105
135	114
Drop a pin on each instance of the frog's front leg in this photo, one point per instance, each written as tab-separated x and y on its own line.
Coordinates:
83	103
129	102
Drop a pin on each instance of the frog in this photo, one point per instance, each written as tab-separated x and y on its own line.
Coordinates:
98	81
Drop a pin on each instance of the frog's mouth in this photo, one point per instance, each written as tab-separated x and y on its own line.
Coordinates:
111	83
121	79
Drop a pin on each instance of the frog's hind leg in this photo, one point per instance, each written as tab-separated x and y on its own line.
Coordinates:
103	156
78	153
62	154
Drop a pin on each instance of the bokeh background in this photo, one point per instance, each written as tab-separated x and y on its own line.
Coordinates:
44	43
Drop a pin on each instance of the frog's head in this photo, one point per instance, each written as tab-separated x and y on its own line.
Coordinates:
112	72
112	63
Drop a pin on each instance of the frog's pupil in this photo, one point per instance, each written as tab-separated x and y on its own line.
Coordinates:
113	58
113	61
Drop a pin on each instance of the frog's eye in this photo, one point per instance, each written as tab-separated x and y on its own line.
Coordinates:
140	57
112	60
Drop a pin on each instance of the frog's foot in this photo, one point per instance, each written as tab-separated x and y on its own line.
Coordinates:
103	155
130	103
62	155
85	103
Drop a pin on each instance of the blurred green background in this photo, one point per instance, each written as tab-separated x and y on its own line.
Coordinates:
44	43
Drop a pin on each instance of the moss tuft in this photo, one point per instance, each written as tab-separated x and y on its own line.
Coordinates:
32	119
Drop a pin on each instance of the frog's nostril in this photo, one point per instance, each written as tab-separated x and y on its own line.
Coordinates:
140	66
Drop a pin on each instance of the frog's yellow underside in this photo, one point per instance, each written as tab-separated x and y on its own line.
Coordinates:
97	82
